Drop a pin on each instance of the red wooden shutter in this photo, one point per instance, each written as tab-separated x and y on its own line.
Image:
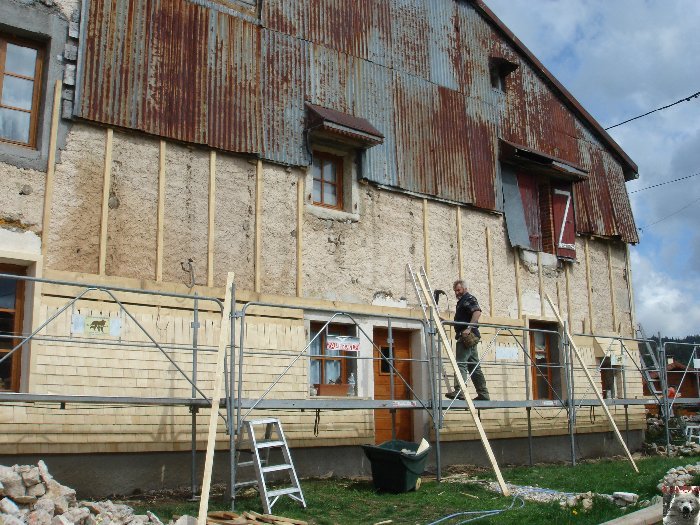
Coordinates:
564	228
531	206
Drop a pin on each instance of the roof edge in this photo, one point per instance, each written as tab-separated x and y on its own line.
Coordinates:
630	168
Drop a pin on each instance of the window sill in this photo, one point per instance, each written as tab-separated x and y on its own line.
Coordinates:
331	214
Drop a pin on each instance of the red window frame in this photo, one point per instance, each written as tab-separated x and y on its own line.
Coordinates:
15	318
321	160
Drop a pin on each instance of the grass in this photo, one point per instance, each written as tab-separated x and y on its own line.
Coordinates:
348	502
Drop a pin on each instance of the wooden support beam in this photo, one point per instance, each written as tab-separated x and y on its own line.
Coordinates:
589	292
106	186
211	231
516	265
472	411
216	395
594	387
567	272
300	224
612	289
540	280
161	213
51	168
489	263
630	291
258	223
460	254
426	237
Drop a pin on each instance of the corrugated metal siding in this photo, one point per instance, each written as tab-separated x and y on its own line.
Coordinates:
418	70
175	69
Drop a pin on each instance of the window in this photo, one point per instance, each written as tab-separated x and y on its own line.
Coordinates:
327	173
549	214
11	308
333	366
20	80
500	68
545	367
610	377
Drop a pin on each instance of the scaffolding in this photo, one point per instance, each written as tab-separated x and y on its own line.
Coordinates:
244	394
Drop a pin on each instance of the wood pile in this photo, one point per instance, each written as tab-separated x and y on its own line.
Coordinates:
249	518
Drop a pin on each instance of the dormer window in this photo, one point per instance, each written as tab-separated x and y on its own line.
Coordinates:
500	68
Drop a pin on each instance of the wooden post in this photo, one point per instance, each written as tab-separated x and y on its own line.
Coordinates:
567	271
51	168
300	223
460	256
612	289
516	264
258	223
216	395
472	411
426	245
593	385
630	291
211	232
591	323
161	213
106	185
541	282
489	263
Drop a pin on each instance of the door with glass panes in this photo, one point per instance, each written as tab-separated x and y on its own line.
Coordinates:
11	308
400	357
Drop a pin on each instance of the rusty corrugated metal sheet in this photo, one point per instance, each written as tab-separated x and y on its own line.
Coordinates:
417	70
174	69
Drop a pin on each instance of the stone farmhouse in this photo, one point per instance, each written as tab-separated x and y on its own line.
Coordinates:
314	148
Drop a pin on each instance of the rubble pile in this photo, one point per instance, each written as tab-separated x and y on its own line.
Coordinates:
687	449
680	476
29	495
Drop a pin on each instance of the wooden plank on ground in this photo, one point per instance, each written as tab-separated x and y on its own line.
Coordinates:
216	394
593	385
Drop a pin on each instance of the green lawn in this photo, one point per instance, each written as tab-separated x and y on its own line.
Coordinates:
356	502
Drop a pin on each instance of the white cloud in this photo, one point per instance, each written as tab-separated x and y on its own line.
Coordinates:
620	59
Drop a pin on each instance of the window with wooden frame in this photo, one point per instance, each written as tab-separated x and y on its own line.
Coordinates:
544	363
549	214
11	318
331	369
21	64
327	173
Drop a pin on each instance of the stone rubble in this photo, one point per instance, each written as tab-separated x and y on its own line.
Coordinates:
29	495
680	476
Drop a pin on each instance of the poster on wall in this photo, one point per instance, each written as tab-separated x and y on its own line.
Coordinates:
96	326
343	343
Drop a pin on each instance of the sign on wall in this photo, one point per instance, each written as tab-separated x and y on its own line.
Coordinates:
96	326
343	343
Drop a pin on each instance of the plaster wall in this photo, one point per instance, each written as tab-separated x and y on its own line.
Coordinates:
74	232
442	247
133	207
475	266
21	197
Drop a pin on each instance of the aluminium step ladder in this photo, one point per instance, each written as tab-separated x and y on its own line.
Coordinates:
649	363
260	449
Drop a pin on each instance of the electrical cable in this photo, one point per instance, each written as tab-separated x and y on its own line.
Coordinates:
666	182
686	99
641	229
481	513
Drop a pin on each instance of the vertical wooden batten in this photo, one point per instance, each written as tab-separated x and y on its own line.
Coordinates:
567	271
460	256
516	265
612	289
540	282
630	291
489	263
258	223
51	168
161	213
106	185
426	235
591	323
211	230
300	221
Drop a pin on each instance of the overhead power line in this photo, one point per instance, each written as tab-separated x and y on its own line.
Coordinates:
686	99
670	215
666	182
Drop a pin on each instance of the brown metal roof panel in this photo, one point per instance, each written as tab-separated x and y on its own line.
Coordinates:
285	84
410	32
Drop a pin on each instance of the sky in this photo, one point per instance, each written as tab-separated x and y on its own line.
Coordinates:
620	59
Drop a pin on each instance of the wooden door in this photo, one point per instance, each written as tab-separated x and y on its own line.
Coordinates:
382	385
541	355
11	309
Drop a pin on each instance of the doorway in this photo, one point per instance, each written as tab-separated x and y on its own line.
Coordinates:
382	384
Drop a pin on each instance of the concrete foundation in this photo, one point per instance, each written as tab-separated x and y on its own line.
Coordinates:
102	475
